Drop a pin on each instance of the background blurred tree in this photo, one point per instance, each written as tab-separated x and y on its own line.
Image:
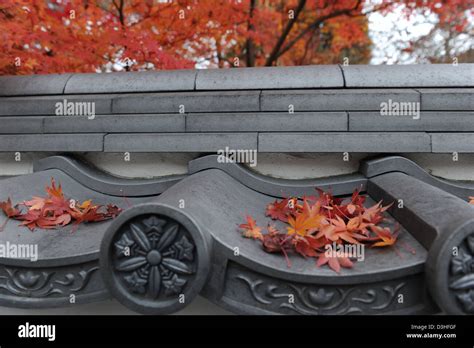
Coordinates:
439	32
46	36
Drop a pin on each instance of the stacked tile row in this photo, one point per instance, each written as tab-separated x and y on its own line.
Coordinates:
282	109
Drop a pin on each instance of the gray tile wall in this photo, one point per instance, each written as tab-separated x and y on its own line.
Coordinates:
276	109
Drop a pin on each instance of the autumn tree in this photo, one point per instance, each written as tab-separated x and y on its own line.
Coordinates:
46	36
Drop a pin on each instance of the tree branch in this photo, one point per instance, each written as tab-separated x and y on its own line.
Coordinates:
281	40
119	8
315	25
250	28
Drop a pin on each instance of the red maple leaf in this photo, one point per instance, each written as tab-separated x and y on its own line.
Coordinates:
281	210
55	210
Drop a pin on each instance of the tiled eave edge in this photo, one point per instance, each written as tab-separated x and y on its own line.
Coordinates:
276	187
342	185
373	168
80	179
105	183
218	196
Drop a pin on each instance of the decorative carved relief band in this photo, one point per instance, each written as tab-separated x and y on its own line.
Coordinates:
279	296
51	286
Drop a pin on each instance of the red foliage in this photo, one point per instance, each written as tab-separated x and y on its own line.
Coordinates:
56	36
317	222
55	210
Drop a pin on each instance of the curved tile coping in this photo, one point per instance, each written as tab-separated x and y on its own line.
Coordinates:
16	85
414	75
65	246
217	202
376	167
103	182
339	185
311	76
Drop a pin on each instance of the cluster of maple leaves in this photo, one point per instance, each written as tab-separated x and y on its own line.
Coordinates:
315	222
55	210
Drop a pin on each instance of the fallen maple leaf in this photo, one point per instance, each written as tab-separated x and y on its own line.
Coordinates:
273	243
334	263
112	211
30	219
9	210
387	238
304	224
374	214
311	210
304	248
280	210
55	210
347	231
250	229
351	208
315	222
85	204
54	191
37	203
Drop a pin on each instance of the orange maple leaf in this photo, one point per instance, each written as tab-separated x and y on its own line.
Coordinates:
387	238
54	191
250	229
56	211
303	224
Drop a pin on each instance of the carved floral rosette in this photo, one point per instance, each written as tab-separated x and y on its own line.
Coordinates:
154	257
450	270
461	277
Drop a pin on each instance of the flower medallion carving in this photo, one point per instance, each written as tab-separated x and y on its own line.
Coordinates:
154	257
461	278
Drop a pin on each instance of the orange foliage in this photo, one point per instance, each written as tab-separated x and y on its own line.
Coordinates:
47	36
55	210
314	223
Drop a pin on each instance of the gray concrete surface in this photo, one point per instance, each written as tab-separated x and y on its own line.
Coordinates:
200	306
